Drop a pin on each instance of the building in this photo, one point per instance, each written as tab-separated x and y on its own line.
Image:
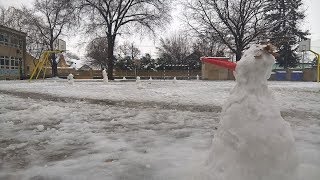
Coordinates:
214	72
12	53
60	44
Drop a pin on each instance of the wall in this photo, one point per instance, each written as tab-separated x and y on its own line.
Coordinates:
214	72
160	74
12	53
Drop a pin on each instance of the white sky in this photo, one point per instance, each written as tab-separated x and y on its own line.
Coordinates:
76	43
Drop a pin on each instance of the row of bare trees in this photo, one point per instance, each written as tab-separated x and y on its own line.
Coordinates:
238	23
114	17
44	24
50	18
215	25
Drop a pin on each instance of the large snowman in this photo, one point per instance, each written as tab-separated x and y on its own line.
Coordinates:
253	141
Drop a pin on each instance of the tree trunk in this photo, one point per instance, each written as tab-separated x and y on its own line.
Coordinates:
111	42
54	65
238	55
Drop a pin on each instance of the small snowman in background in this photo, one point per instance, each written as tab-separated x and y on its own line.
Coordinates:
253	141
138	79
105	76
124	78
150	79
175	80
70	79
198	78
138	82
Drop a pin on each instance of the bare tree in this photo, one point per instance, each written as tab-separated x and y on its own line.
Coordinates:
11	17
97	52
174	49
50	18
18	19
128	49
119	16
237	23
208	45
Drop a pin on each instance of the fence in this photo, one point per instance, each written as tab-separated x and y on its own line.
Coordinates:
307	74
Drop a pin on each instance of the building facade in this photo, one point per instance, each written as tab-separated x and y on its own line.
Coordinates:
214	72
12	53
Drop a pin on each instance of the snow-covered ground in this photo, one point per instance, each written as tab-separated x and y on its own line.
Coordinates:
157	130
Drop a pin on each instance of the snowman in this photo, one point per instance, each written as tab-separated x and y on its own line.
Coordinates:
253	141
105	76
70	79
174	80
138	82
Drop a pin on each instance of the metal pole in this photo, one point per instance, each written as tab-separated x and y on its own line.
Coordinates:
188	73
303	53
318	78
318	65
164	72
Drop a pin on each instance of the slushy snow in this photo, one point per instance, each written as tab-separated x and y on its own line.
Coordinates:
169	127
253	141
40	127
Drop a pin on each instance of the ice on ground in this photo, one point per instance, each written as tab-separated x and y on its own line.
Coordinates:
291	96
40	127
83	141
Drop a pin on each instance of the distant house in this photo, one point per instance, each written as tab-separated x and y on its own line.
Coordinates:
12	53
85	68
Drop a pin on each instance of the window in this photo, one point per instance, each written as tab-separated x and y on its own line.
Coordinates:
6	62
20	43
6	39
12	63
16	65
1	62
12	41
1	37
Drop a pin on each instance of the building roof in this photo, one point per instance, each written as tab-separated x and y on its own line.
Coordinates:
12	30
85	67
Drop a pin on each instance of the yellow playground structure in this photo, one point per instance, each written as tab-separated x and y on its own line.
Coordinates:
318	64
42	64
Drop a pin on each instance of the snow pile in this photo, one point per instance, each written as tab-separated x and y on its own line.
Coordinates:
253	141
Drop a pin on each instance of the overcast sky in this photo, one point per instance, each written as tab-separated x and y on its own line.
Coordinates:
147	45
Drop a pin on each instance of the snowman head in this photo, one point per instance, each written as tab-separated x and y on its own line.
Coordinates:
255	65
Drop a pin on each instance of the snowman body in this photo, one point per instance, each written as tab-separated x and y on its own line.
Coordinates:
105	76
70	79
253	141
